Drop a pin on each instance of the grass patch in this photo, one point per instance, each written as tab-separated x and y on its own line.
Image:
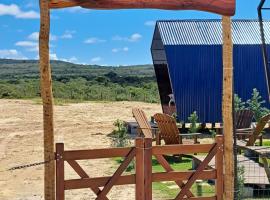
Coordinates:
266	143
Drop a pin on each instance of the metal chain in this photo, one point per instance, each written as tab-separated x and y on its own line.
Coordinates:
28	165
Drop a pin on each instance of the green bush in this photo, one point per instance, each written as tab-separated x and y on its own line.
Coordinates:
240	182
120	137
256	105
238	103
193	119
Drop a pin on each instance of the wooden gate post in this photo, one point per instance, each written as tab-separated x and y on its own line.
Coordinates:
219	167
227	107
47	99
139	145
143	168
148	168
60	172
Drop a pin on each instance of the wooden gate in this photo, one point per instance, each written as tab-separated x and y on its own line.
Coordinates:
142	152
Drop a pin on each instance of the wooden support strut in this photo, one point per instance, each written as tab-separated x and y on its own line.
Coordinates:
227	108
47	99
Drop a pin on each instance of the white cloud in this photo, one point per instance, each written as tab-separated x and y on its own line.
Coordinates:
150	23
76	10
125	49
116	50
133	38
14	10
26	44
11	54
94	40
96	59
73	59
53	56
35	36
68	34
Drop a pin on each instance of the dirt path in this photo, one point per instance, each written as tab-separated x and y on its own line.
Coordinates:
79	126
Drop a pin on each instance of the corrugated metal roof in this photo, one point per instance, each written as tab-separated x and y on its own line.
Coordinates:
209	32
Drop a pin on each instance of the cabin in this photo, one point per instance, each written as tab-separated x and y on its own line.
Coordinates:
187	58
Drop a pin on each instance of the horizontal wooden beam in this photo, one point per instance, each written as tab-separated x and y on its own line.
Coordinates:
222	7
130	179
181	149
96	153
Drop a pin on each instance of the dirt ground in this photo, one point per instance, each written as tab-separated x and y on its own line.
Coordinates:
79	126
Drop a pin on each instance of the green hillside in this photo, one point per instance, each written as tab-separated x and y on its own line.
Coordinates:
20	79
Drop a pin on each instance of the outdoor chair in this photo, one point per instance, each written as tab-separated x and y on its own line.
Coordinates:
253	134
144	125
168	130
243	120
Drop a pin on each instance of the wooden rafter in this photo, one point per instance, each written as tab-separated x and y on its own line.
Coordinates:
223	7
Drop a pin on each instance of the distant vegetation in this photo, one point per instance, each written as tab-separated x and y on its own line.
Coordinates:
20	79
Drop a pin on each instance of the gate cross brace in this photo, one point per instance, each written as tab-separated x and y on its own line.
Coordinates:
116	175
195	175
79	170
168	168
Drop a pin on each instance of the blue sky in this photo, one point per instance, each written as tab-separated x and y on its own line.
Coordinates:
120	37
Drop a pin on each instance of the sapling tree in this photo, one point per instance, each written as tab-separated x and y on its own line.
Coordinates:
193	119
120	137
256	105
238	103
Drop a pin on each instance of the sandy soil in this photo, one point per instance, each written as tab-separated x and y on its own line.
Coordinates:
79	126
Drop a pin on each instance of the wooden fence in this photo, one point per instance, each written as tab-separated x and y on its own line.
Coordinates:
142	152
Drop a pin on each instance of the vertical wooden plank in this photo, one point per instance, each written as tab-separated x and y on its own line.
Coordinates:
219	167
60	172
148	168
47	98
158	139
139	143
227	107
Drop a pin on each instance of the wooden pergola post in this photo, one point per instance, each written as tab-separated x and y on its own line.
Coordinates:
227	108
47	98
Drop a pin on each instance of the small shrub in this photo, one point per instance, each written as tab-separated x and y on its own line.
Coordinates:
213	133
238	103
256	105
240	182
120	136
193	119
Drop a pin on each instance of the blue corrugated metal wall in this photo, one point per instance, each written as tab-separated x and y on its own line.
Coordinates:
249	71
196	77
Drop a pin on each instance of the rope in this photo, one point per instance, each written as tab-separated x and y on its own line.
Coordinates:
27	166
